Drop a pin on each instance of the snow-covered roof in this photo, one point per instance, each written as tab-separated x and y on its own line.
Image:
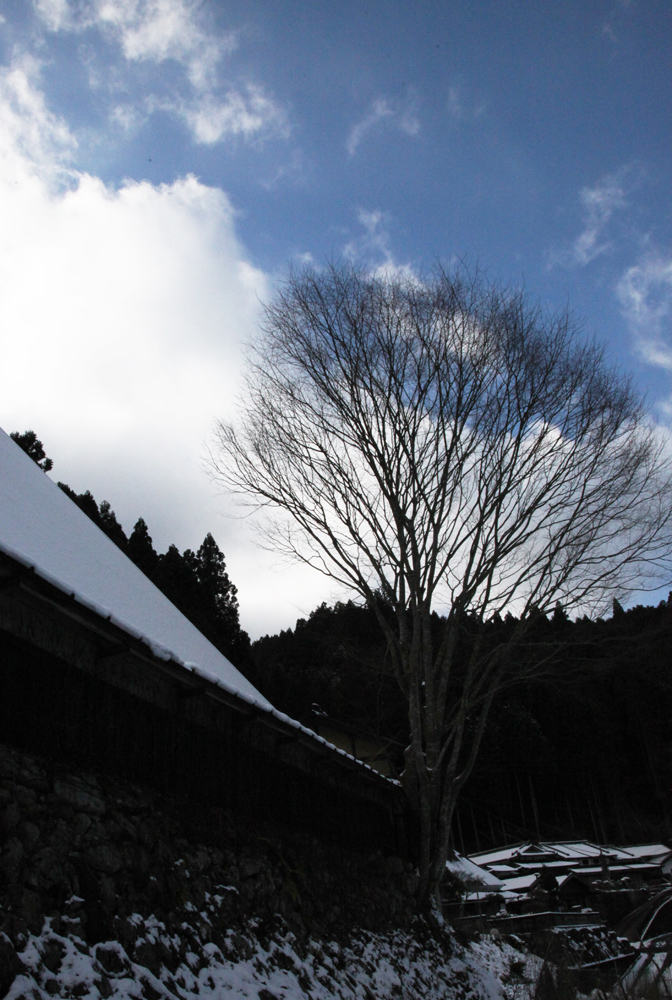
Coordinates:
468	872
43	529
618	869
541	853
657	851
520	883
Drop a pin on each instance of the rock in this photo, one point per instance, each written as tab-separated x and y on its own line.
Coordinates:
61	837
148	990
26	797
17	931
104	858
148	955
11	965
12	855
30	908
200	861
29	834
105	987
10	817
52	952
251	866
98	927
147	834
82	825
79	794
113	959
47	868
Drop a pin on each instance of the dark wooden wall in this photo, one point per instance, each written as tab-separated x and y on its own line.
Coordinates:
50	707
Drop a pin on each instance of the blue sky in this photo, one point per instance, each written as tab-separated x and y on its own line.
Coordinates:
163	162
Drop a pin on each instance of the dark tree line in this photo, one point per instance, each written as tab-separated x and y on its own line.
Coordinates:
196	582
585	751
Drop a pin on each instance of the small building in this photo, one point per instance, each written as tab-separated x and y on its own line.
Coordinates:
569	875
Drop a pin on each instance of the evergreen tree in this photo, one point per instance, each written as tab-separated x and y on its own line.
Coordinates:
141	550
196	582
103	516
29	442
111	527
217	589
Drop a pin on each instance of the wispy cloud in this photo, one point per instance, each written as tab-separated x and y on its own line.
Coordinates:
404	118
645	295
462	106
611	26
245	112
29	132
153	30
600	203
158	31
374	245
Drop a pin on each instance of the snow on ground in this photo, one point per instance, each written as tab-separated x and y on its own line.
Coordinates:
269	964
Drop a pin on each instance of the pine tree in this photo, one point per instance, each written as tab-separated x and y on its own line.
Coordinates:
141	549
111	527
218	591
33	447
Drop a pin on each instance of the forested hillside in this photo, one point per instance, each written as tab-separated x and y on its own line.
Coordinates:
584	751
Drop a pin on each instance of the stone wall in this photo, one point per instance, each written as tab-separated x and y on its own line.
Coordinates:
93	858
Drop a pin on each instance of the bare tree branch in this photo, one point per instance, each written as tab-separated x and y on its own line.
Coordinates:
447	445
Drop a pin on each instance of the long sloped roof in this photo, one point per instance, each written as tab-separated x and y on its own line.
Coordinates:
43	529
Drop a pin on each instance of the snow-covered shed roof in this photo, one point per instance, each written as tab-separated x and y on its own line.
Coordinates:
44	530
572	851
471	874
657	851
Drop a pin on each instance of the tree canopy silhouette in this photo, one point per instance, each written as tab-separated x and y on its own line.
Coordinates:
33	447
446	444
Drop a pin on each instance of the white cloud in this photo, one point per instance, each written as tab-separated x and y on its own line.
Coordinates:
463	105
375	245
600	203
645	295
248	114
404	118
30	134
55	13
160	30
166	29
121	315
455	109
154	30
376	237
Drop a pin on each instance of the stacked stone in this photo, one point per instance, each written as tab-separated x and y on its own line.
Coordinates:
97	857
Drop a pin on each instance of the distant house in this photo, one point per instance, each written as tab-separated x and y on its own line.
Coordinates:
97	667
570	875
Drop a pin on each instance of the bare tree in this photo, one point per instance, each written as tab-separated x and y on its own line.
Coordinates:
449	446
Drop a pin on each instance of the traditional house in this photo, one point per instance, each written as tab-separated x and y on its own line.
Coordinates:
566	876
98	668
